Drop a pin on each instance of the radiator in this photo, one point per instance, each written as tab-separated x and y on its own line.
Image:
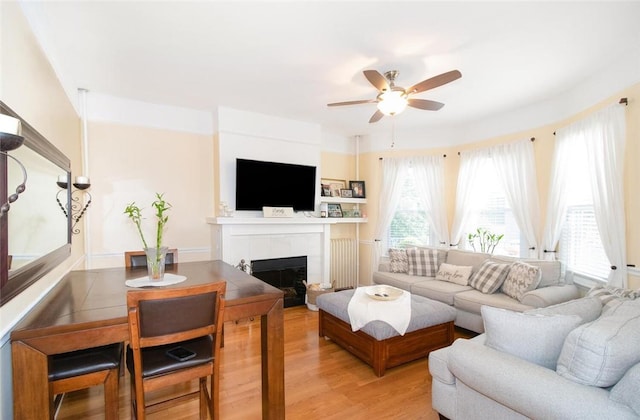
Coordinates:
344	263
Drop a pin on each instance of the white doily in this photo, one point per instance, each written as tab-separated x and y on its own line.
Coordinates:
146	282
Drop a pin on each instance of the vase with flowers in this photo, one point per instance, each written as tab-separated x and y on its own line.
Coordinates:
155	254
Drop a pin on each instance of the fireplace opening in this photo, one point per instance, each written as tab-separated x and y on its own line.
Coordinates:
287	274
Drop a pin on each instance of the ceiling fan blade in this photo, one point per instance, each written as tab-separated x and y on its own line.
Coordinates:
362	101
435	81
376	116
376	79
425	104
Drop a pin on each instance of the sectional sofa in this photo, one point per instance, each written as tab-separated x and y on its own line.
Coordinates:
459	278
575	360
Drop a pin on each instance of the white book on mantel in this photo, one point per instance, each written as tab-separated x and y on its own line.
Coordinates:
277	211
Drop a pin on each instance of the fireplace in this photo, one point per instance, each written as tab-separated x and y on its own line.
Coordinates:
287	274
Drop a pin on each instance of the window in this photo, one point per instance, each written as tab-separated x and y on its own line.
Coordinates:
491	211
580	247
410	225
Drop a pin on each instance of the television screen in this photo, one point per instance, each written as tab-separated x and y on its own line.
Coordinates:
272	184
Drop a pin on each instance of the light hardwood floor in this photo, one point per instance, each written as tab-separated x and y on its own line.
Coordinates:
322	381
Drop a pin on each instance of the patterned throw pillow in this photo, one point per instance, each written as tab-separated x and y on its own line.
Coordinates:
457	274
423	262
612	296
489	277
398	260
521	279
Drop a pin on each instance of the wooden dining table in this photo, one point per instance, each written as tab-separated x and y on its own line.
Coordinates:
87	308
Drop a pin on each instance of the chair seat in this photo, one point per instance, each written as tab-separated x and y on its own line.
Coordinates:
156	362
82	362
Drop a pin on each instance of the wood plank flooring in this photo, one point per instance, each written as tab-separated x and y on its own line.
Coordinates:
322	381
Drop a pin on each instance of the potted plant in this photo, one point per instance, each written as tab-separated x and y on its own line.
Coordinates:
487	240
155	254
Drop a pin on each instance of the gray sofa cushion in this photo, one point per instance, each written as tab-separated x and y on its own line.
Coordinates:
535	338
600	352
441	291
626	390
399	280
460	257
587	308
472	300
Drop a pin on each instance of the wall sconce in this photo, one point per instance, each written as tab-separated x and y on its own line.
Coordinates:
77	208
10	139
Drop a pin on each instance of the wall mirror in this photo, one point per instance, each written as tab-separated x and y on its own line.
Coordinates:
35	234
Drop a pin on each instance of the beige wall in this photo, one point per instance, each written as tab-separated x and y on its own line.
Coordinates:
543	145
29	86
129	163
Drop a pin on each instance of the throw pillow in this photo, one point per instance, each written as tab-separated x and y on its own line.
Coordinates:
521	279
489	277
535	338
626	391
612	296
587	308
600	352
423	262
458	274
398	260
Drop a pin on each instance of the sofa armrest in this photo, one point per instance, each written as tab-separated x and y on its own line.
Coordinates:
529	389
550	295
384	264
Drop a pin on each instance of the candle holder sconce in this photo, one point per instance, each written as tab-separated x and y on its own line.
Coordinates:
80	199
10	139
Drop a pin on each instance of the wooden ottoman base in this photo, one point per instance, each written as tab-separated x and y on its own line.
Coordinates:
388	353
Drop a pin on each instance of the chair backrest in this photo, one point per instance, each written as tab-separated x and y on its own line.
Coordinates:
165	316
139	258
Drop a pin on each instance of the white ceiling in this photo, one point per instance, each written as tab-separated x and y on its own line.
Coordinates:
290	59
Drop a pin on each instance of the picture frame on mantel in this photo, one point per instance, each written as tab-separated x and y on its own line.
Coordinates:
334	210
358	189
335	185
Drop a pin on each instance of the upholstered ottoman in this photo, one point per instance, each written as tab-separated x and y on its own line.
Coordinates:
377	343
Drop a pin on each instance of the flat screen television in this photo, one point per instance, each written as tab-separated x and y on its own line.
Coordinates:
273	184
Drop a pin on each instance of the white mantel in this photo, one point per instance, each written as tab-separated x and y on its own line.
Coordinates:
254	238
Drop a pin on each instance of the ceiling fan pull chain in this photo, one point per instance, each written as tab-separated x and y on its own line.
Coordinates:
393	132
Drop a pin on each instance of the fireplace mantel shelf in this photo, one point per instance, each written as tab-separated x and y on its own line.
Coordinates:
282	220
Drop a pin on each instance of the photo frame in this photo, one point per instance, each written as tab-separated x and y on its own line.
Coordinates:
335	185
334	210
344	193
358	189
325	190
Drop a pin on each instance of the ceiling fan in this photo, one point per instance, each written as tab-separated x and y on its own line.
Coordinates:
394	99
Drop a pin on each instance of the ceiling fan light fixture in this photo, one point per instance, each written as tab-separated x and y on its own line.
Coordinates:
392	102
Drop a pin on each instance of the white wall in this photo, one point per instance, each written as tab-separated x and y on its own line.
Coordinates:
250	135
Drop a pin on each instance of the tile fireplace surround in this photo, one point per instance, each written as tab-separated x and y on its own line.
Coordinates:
256	238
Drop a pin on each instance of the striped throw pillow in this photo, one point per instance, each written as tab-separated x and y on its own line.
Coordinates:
611	296
423	262
489	277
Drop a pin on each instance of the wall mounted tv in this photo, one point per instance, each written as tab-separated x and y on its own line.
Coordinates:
273	184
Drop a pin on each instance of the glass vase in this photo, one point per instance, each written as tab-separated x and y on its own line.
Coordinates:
155	262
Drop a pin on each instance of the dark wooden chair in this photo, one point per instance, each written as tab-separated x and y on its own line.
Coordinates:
163	319
139	258
84	369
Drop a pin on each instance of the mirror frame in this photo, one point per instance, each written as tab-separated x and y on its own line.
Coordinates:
22	278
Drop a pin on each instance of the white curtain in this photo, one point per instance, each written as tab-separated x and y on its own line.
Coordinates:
515	165
393	172
429	173
604	135
566	143
470	164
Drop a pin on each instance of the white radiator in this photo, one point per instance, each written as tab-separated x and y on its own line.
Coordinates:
344	263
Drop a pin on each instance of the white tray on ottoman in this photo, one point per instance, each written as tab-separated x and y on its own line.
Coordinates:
377	343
